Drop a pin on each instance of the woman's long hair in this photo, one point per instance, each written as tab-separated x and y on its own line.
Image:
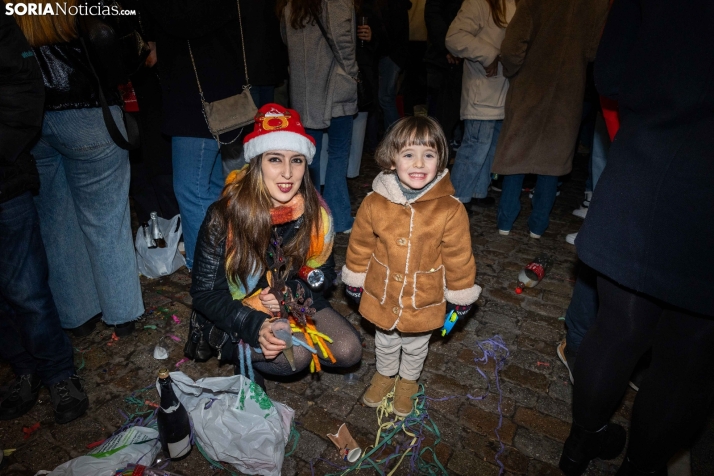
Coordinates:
302	12
498	12
242	217
43	30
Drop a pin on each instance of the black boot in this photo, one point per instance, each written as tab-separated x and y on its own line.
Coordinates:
21	397
629	469
582	446
69	399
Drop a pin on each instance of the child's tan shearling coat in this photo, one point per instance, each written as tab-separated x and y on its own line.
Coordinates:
411	256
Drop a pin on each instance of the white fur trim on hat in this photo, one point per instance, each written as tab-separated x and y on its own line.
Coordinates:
279	140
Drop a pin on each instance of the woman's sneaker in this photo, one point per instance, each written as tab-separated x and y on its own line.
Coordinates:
69	399
21	397
582	212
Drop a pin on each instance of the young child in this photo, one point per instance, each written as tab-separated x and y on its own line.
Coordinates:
409	258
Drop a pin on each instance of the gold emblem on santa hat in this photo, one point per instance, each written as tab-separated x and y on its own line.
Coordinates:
274	120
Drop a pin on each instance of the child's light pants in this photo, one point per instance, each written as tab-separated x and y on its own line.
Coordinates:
414	348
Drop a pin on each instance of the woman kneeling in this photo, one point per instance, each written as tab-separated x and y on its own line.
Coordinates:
270	227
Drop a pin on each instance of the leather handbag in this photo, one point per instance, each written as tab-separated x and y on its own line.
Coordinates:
197	347
236	111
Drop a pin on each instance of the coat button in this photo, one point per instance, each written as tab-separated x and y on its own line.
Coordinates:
395	310
398	277
402	242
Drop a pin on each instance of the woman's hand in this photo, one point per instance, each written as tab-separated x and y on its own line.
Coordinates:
269	344
151	59
492	69
364	33
270	302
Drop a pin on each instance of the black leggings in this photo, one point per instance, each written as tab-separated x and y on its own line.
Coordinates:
677	389
346	346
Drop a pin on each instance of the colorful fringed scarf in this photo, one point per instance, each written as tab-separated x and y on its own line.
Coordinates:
320	242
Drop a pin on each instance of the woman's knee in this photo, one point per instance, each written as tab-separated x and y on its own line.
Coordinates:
348	352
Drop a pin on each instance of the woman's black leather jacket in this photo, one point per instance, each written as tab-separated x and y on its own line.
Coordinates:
69	82
212	299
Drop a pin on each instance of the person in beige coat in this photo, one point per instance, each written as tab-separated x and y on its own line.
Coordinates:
476	35
409	258
545	53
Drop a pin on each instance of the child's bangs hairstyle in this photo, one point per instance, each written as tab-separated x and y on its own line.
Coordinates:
408	131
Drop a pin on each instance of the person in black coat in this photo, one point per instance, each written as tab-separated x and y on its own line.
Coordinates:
444	71
393	51
649	232
212	30
31	337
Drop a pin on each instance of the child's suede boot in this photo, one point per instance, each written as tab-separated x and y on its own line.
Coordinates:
378	389
403	392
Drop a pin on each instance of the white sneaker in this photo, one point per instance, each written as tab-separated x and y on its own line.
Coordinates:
504	232
581	212
533	235
570	238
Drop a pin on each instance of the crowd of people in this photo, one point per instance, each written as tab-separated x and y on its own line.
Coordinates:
250	116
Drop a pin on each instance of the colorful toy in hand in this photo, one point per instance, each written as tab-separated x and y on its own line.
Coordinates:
453	312
449	322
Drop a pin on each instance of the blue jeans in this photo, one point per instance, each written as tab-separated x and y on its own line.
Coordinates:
543	200
335	193
471	174
31	336
198	181
85	221
387	94
583	307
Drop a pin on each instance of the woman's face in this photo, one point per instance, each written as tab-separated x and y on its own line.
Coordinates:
283	171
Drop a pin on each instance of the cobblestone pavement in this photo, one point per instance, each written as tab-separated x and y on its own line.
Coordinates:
536	390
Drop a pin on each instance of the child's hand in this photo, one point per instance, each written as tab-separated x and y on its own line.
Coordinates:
354	293
461	311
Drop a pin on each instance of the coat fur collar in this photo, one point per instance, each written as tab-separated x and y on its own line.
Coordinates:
385	185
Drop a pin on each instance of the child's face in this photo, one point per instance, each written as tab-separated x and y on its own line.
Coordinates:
416	166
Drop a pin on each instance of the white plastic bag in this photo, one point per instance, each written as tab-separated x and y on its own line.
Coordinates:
157	262
138	445
235	422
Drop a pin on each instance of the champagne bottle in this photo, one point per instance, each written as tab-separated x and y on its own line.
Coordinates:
172	417
150	243
156	231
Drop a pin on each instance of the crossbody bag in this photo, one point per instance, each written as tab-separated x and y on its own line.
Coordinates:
236	111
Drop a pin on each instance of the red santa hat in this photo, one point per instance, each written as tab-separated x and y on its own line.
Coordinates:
278	128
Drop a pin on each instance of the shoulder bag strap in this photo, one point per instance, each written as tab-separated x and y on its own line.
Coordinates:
324	34
245	62
111	126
